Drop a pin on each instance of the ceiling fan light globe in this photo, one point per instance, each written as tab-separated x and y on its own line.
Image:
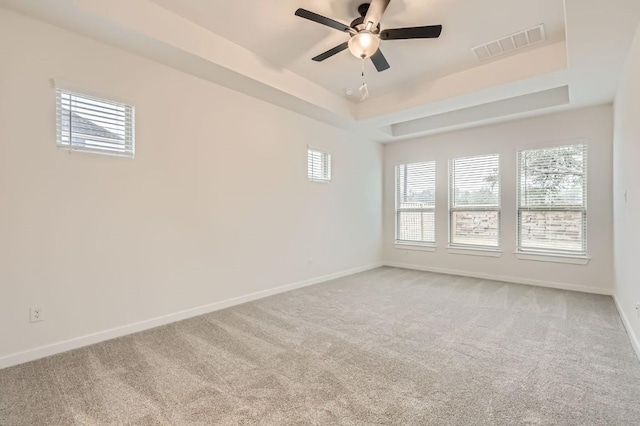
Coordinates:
364	44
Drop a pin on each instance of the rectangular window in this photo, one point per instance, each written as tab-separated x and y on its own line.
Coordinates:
88	124
318	166
474	202
552	200
416	203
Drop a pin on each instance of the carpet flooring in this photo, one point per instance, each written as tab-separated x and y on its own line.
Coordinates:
384	347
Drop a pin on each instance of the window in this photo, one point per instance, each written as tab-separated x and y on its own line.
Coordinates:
552	200
416	203
318	166
88	124
474	202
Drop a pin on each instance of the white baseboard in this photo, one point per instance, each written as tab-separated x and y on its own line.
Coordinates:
635	342
516	280
101	336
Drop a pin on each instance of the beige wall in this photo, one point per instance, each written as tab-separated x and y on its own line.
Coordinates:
593	125
215	205
627	179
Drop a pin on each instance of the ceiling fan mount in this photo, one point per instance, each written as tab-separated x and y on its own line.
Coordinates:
366	35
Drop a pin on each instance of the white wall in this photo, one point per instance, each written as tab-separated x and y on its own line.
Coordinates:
216	204
626	177
594	125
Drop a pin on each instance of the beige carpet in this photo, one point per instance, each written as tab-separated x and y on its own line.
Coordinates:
388	346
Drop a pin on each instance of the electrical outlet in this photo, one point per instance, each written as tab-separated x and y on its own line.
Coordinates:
638	310
37	314
310	261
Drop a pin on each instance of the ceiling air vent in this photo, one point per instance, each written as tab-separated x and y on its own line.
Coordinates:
510	43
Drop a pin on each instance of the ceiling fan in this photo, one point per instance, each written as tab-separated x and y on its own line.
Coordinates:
365	33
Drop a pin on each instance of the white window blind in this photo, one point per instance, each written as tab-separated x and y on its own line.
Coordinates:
552	200
416	203
318	166
474	202
88	124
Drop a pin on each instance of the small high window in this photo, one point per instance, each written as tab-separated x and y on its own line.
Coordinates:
318	166
89	124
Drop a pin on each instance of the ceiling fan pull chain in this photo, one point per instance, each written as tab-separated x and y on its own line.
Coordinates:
364	91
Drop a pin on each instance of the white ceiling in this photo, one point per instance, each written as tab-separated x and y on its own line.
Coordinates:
261	49
270	29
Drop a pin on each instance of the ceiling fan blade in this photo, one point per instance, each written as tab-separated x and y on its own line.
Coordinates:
303	13
331	52
380	62
375	12
432	31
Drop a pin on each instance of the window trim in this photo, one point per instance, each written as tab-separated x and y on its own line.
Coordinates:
475	251
415	246
550	255
454	248
553	258
408	244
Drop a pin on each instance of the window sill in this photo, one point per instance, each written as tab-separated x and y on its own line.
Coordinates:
415	247
475	252
555	258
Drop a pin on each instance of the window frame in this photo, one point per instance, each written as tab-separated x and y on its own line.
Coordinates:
63	89
398	211
326	172
458	248
550	254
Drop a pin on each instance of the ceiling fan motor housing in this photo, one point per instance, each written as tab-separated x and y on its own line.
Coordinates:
358	25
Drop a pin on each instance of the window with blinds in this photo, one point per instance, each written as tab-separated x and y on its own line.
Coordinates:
474	202
88	124
416	203
552	200
318	166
